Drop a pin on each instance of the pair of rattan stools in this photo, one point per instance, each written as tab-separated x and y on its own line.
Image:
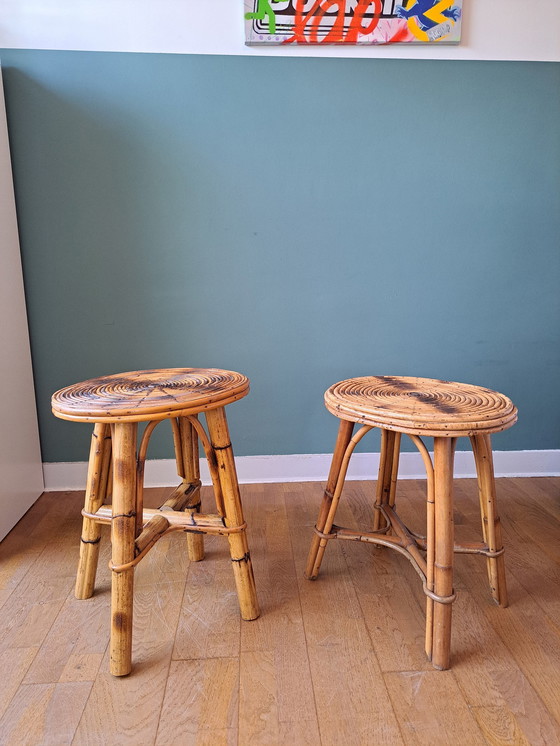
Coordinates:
415	406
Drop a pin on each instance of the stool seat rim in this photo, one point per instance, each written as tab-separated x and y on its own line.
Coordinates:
154	394
421	406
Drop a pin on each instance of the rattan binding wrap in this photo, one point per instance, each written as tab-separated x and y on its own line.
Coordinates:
421	406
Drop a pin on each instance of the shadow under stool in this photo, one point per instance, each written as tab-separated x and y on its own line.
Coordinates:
117	405
419	407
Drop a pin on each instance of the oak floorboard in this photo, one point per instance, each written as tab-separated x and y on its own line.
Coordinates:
335	661
492	682
265	717
14	664
44	714
31	544
76	641
529	519
431	709
209	621
201	703
532	638
265	665
386	586
500	727
30	611
14	564
538	577
130	706
545	491
5	594
353	705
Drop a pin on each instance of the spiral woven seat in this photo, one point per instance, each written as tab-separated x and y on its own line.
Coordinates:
421	406
153	394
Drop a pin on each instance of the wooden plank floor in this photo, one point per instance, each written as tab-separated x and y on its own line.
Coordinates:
336	661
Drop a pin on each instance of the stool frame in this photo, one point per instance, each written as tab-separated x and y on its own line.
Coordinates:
116	468
436	567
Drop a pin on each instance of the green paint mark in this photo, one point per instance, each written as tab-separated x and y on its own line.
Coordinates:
264	9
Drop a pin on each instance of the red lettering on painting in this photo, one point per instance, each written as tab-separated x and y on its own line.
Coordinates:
307	25
356	29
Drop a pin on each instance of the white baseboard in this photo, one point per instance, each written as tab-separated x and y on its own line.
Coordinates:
63	476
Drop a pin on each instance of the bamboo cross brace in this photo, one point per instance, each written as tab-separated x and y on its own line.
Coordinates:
378	537
153	531
181	496
468	547
407	539
178	521
403	539
156	528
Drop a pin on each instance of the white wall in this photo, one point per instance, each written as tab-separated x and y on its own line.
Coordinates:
21	474
492	29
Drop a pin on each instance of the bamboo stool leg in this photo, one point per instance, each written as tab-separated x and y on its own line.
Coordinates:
395	469
96	490
123	530
189	469
386	478
345	431
443	551
239	549
491	529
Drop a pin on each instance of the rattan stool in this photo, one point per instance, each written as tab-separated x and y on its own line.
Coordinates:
117	404
445	411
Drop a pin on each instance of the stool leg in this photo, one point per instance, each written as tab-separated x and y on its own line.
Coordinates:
189	469
387	475
318	545
96	490
491	529
395	469
241	559
443	550
123	534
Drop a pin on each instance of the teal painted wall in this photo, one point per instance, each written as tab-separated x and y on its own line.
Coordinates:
299	220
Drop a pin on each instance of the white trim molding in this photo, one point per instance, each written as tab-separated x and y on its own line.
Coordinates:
63	476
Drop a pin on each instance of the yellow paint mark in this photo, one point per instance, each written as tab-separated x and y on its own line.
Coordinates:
434	14
416	30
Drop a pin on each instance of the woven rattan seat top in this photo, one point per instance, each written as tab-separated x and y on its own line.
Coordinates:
420	406
149	395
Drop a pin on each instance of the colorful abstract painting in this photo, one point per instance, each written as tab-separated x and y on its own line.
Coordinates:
353	21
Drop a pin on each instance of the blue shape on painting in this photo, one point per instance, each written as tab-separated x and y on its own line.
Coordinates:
420	7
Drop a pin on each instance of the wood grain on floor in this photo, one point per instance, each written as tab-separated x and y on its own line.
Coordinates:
335	661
